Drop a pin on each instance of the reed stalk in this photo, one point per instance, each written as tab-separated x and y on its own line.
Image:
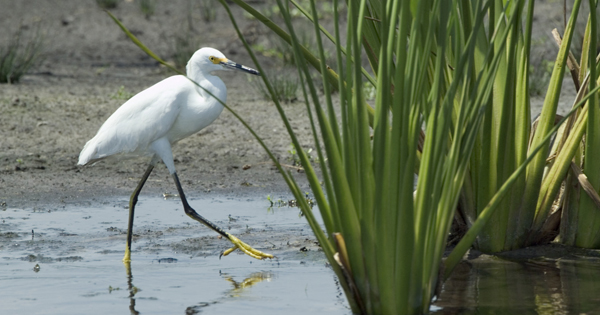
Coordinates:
438	70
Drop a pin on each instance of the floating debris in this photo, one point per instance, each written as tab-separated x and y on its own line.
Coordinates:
169	195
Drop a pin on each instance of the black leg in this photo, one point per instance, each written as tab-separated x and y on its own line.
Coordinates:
132	202
238	244
192	213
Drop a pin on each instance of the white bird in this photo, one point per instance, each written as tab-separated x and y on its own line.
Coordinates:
152	121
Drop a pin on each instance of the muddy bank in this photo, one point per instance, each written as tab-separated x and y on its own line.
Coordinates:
89	70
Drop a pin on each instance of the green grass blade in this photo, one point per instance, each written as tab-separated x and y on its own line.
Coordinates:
465	243
335	41
536	168
588	234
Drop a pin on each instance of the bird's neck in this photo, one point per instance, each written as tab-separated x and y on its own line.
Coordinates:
194	73
210	82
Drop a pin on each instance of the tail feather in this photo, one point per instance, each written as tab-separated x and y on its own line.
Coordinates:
88	153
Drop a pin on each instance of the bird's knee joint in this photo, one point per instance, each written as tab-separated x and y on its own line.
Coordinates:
190	212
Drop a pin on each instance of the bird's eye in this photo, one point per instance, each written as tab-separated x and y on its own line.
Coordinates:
214	59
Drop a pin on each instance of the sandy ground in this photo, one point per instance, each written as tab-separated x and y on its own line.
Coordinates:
46	119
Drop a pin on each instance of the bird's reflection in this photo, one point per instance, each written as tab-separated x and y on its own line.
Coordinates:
236	291
131	288
249	281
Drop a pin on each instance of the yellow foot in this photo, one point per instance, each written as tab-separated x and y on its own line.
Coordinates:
127	257
247	249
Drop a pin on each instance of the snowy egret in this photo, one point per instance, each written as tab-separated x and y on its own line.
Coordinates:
152	121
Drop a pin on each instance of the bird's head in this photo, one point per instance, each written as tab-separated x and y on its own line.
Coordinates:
209	59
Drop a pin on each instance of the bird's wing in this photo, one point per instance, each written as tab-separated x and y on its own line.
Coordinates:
144	118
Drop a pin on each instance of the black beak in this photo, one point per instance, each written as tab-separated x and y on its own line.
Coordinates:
236	66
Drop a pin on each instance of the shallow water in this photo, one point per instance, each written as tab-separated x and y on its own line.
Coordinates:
568	285
66	259
79	248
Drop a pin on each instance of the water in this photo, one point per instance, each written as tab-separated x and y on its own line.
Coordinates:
491	285
71	264
175	269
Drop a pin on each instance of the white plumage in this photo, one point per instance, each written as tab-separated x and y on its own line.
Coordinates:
173	109
153	120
